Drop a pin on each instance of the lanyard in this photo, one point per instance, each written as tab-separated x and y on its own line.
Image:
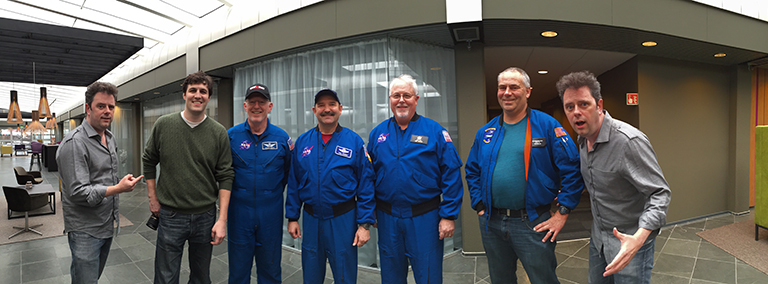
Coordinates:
527	147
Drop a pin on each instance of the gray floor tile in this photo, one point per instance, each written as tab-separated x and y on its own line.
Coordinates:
147	267
125	241
65	264
54	280
574	269
117	257
219	270
127	273
571	247
459	264
10	258
11	274
40	270
140	252
699	281
668	279
681	247
711	270
748	274
458	278
696	224
36	255
711	252
685	233
481	268
675	265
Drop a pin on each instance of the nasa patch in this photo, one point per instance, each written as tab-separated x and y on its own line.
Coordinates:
245	145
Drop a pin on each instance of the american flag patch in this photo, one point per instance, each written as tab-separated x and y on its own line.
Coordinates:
560	132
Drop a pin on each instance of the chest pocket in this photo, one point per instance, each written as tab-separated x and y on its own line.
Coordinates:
424	180
344	181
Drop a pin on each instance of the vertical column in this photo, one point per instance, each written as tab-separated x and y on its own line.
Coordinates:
739	139
470	97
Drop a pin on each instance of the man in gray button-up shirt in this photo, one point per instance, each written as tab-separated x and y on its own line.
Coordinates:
87	159
628	191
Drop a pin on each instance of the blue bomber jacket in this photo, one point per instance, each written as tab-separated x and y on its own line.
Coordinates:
325	176
415	166
553	165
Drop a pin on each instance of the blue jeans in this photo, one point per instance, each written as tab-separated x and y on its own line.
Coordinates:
89	255
173	231
637	271
508	239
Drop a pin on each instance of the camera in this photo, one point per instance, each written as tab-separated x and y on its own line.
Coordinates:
153	222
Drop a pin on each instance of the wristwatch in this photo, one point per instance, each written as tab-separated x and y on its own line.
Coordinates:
564	210
366	226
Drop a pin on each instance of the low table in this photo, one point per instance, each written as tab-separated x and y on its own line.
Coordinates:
39	189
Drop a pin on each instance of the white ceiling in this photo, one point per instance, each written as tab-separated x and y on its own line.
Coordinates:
154	20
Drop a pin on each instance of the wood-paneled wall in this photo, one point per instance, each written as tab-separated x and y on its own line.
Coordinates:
759	117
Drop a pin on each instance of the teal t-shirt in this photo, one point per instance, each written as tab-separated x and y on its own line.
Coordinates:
508	183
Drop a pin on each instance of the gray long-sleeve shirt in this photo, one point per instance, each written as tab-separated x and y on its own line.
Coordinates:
626	186
87	168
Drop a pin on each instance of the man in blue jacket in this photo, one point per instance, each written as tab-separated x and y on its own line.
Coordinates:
261	157
519	163
332	176
415	163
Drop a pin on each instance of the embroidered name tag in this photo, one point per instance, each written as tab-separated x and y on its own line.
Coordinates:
539	142
419	139
344	152
269	145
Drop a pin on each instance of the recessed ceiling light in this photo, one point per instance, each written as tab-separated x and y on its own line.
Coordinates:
649	43
720	55
156	93
549	34
542	72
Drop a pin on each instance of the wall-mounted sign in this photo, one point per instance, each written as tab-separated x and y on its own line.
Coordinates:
631	99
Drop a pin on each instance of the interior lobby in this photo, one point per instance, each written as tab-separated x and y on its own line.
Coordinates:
697	68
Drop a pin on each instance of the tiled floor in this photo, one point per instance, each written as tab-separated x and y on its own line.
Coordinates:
681	256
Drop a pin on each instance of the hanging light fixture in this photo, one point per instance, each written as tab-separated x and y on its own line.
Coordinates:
35	126
14	113
43	108
51	123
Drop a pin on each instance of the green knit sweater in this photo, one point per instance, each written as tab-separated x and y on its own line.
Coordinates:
192	161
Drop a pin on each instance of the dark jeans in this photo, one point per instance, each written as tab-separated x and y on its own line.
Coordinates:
508	239
89	255
174	230
637	271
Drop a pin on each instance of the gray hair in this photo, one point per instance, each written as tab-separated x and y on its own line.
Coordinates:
577	80
407	79
526	78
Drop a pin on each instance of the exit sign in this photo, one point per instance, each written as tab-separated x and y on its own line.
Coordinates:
631	99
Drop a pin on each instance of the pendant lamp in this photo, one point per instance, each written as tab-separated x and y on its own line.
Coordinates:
51	123
43	108
14	113
35	126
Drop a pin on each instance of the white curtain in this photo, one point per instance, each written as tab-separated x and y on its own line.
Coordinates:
360	73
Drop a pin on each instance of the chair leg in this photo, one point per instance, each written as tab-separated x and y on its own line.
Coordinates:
26	228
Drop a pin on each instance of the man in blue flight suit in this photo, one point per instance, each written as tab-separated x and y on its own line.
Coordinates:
519	163
261	157
415	163
332	176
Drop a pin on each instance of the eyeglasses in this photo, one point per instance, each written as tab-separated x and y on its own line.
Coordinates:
404	96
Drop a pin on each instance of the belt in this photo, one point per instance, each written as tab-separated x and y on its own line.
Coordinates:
519	212
416	209
338	209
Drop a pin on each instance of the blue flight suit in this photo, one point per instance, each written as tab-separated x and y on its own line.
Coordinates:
334	182
255	222
414	167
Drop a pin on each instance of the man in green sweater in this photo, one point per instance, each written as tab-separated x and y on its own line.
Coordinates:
193	151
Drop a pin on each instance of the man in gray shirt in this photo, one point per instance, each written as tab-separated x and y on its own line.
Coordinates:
87	159
628	192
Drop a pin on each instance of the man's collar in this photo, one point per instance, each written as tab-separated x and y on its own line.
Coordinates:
527	114
605	128
338	128
91	132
